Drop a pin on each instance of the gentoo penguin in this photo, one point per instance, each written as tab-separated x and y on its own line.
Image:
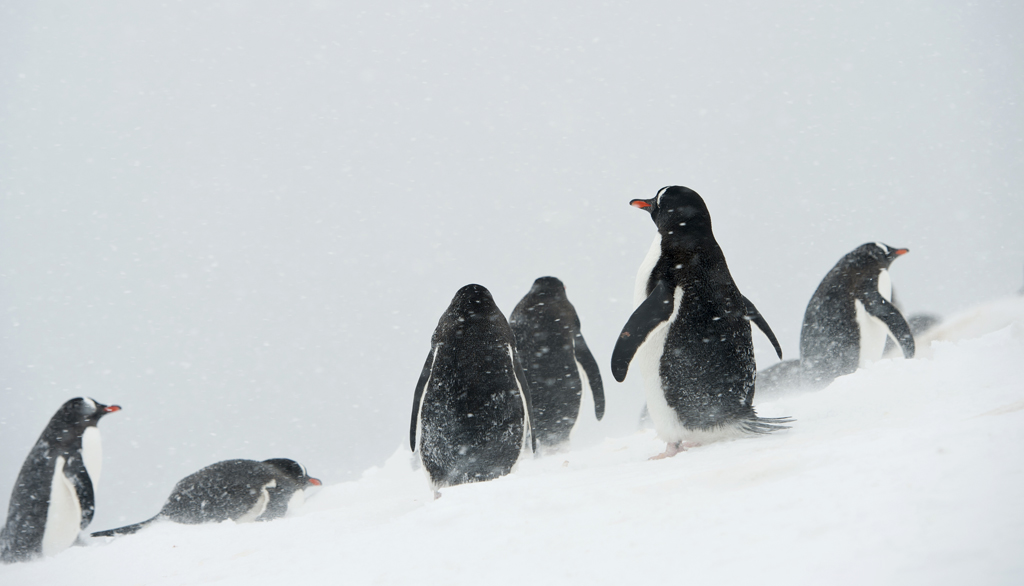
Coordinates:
850	315
54	498
691	332
240	490
553	352
471	409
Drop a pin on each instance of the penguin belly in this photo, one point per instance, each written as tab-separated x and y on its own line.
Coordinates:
648	358
643	274
873	331
260	506
64	514
92	453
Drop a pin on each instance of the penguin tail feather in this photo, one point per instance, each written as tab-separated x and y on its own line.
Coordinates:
126	530
761	425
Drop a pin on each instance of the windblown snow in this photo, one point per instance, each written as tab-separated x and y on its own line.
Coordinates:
905	472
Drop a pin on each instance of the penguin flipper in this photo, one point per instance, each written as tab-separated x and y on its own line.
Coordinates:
75	471
418	397
586	360
755	316
654	311
521	377
877	306
126	530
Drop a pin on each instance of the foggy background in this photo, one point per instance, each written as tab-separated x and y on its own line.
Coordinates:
241	221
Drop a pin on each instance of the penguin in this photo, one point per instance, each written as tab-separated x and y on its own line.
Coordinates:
240	490
691	331
850	316
778	377
471	410
553	353
54	496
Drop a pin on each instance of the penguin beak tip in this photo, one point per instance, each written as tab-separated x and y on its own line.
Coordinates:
315	482
640	204
901	251
111	408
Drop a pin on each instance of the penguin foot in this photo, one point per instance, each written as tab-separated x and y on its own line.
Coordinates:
674	448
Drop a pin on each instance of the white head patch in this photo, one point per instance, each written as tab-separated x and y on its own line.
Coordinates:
90	403
661	192
885	249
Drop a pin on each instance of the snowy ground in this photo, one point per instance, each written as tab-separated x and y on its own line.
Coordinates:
908	472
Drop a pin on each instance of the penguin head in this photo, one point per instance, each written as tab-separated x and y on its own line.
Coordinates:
550	287
473	302
677	211
83	412
879	253
293	470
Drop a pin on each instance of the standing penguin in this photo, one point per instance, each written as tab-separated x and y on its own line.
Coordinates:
54	498
691	331
551	346
850	315
240	490
471	409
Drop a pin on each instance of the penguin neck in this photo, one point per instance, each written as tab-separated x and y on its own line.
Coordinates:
691	250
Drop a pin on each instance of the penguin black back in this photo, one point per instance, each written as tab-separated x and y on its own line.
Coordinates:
240	490
850	315
471	407
550	343
694	323
53	498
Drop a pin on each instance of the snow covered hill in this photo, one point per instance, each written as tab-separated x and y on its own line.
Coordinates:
908	472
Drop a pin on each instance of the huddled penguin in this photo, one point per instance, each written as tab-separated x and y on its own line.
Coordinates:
850	315
691	332
471	409
54	496
240	490
553	352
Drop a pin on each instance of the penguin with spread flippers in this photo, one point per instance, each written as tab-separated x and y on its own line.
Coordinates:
554	353
850	316
54	496
691	332
471	410
239	490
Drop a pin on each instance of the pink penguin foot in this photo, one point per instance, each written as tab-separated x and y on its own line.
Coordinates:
674	448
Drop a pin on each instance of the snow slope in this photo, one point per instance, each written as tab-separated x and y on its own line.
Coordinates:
908	472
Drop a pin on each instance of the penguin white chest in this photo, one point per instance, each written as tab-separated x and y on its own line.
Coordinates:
873	331
648	358
92	453
259	506
64	514
644	273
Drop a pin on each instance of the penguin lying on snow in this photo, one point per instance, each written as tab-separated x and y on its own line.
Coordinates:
691	333
54	498
850	315
552	349
471	411
240	490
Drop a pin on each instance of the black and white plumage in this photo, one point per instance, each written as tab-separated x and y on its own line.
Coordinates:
553	353
690	332
850	316
471	409
240	490
54	496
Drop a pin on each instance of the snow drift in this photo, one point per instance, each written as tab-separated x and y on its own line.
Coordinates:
907	472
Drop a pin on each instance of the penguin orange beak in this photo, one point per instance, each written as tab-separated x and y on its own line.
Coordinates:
643	204
901	251
111	408
315	482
